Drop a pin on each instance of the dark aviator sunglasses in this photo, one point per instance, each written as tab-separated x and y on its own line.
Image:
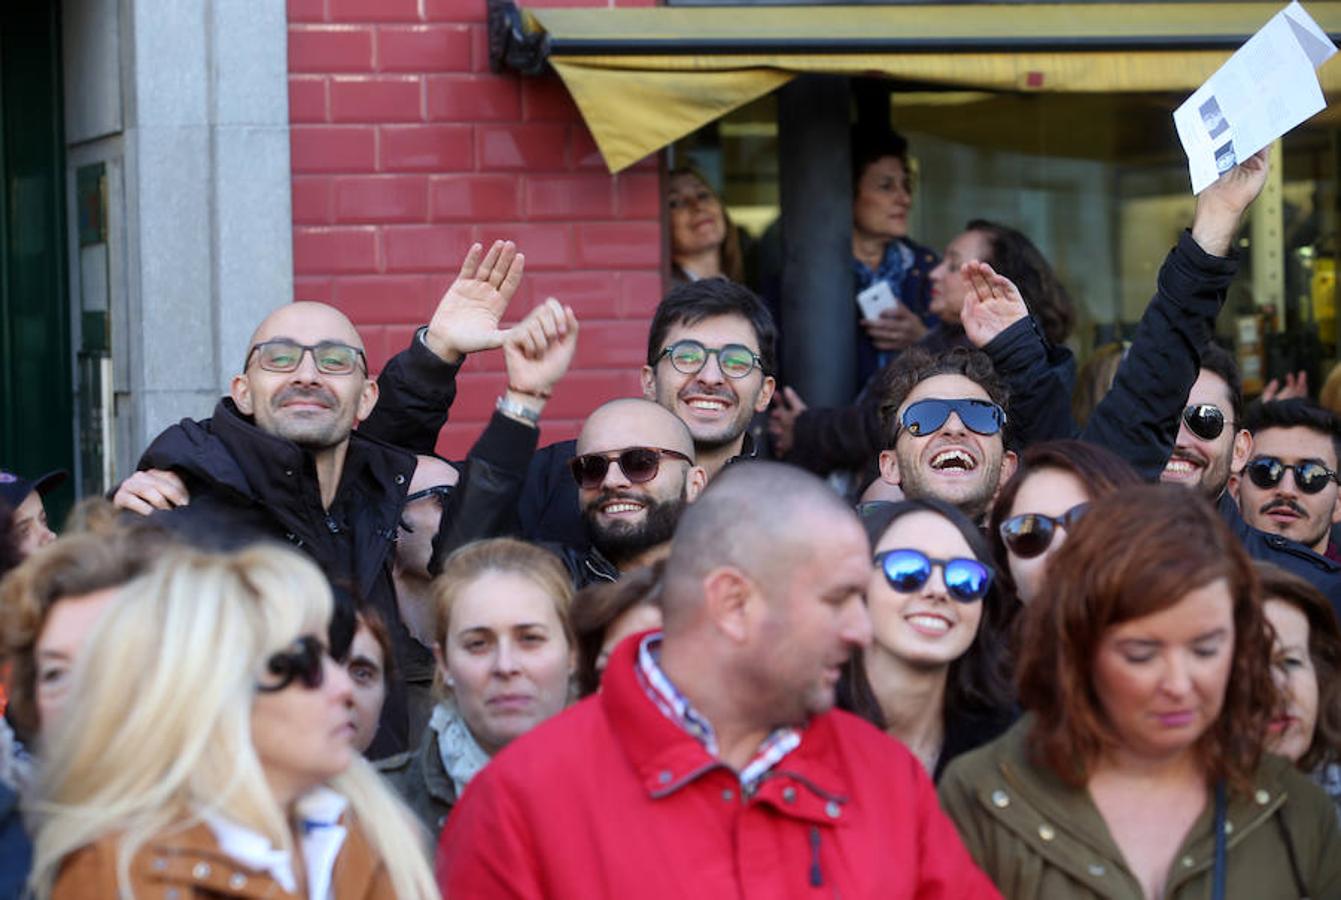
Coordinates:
929	416
1030	534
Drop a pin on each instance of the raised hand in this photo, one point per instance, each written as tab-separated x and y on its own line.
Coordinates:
991	305
467	316
151	489
1221	205
1295	386
539	349
896	329
787	408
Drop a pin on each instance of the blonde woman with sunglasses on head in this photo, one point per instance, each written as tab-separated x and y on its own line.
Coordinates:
206	749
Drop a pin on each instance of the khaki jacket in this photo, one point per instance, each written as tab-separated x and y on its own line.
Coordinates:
188	865
1040	839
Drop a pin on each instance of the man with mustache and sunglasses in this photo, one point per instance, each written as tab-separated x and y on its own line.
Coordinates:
1290	484
635	472
280	458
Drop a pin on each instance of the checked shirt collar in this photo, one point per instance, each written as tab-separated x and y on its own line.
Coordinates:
676	707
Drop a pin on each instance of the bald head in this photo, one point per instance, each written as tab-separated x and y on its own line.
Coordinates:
761	518
634	422
314	409
307	322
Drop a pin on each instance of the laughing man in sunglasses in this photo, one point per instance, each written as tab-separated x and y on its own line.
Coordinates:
944	421
1290	484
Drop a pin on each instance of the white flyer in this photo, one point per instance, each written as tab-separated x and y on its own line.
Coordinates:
1267	87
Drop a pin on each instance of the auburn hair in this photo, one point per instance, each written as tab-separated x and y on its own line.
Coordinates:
1137	552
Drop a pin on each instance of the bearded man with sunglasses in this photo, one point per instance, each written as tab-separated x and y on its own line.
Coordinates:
635	473
1290	484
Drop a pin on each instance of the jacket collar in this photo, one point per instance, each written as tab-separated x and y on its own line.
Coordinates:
598	567
1029	798
803	785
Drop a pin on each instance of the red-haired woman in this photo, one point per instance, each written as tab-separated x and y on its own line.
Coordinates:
1139	769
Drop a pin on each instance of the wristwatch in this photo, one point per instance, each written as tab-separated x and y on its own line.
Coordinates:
511	408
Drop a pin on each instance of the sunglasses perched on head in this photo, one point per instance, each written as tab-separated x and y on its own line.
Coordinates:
639	465
689	357
1031	534
1205	420
441	491
929	416
330	357
304	661
1310	477
908	570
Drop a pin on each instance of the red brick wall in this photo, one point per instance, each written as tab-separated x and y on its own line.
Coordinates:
406	149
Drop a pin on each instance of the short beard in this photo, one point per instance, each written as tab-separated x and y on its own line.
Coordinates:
621	542
975	505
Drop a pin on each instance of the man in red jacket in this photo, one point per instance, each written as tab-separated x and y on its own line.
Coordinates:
712	763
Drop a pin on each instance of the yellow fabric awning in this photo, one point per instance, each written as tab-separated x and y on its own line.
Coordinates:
643	78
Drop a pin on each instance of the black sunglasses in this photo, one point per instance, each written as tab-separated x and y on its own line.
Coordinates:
1205	420
1310	477
1031	534
441	491
929	416
639	465
908	570
305	662
284	355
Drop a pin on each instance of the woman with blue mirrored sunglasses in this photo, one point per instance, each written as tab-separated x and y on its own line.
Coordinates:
933	674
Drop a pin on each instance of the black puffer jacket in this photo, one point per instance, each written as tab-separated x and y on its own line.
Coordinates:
1139	418
248	485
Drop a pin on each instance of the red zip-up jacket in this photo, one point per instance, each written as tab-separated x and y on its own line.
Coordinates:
612	799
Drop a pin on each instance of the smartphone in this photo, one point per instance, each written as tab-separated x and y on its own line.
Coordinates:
876	299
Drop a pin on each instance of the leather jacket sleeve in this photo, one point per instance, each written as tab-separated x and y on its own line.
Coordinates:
416	389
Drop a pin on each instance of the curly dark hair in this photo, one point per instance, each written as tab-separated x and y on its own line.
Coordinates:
1014	256
979	680
1219	361
869	145
1324	649
916	364
1140	551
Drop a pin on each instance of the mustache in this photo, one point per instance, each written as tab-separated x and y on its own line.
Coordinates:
319	395
1284	503
1189	456
693	389
605	497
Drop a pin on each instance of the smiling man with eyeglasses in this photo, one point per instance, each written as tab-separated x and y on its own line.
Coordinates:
1290	484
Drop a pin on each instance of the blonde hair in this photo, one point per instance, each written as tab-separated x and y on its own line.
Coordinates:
509	555
187	643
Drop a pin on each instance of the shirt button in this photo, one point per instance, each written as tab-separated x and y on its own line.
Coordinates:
172	894
1188	862
400	479
789	794
237	882
832	810
1229	827
1262	797
1096	869
728	795
1000	800
202	870
160	865
664	777
1047	832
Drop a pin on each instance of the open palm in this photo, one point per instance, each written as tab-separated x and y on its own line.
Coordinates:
992	303
467	316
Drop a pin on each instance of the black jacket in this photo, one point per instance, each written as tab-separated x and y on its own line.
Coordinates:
416	390
1139	417
585	565
248	485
